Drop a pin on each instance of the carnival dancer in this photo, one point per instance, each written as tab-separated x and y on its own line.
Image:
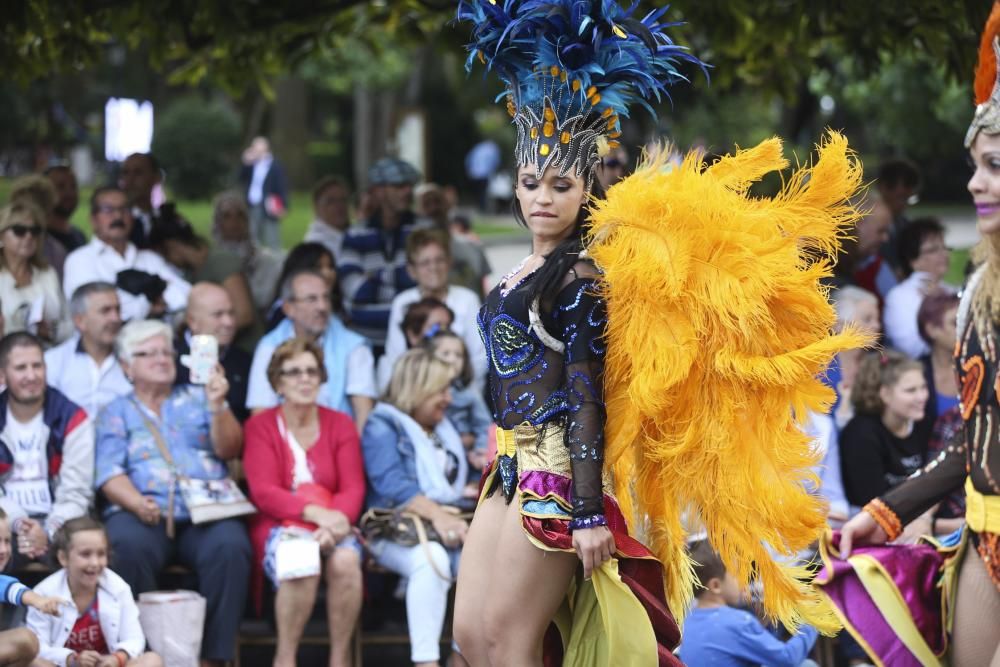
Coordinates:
975	617
646	356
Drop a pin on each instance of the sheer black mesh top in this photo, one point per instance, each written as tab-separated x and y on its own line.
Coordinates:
968	455
530	382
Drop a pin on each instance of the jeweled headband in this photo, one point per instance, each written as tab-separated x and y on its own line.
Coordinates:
987	84
572	69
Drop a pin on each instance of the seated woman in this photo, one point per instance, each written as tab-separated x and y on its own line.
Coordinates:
176	241
880	447
421	319
231	232
428	258
147	522
303	465
30	289
415	461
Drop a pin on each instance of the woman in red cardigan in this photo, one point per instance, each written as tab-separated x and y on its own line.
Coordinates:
303	464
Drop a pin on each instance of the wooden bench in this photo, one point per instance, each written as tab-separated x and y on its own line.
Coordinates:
258	632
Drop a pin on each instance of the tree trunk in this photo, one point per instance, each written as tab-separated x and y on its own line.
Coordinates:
290	138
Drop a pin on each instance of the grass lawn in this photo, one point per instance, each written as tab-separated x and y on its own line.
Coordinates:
956	267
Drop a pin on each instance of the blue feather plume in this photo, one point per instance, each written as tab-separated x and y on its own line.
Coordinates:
602	45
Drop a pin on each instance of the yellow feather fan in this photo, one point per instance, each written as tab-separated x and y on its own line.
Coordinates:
718	329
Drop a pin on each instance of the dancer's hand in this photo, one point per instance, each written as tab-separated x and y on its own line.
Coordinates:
593	546
862	529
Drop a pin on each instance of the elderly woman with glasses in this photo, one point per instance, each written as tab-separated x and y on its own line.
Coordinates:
29	288
149	525
303	465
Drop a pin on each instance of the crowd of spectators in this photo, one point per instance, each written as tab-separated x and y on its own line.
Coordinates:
351	375
99	414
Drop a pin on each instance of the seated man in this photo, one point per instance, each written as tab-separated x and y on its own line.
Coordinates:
350	386
46	449
469	266
84	367
372	260
147	286
210	312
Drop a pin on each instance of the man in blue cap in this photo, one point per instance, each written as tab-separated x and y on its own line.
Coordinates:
372	267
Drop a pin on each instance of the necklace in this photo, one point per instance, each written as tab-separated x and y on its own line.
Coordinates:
506	289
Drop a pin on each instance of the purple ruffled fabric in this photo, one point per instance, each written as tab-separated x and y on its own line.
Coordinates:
915	571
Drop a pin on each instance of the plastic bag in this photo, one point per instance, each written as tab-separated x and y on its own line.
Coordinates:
173	622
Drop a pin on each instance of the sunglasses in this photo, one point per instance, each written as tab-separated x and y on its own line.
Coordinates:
21	230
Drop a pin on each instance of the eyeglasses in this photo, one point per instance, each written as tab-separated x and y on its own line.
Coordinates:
150	354
108	209
312	372
937	247
431	263
311	299
21	230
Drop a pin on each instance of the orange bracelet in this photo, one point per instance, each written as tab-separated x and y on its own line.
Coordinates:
885	518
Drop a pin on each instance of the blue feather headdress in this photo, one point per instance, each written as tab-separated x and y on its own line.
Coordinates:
572	69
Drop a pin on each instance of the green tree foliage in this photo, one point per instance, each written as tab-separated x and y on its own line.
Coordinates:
235	44
244	43
774	45
197	143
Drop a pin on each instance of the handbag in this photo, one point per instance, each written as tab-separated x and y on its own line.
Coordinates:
206	499
406	529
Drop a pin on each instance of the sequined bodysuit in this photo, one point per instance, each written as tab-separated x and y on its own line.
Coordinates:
529	381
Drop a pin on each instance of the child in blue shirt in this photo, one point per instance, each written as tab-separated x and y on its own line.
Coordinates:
18	646
716	634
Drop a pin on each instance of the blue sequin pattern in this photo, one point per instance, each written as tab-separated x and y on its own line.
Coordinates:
529	382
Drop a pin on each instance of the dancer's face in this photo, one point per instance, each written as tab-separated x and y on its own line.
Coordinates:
985	182
550	204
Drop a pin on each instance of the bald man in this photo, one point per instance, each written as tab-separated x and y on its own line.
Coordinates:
210	312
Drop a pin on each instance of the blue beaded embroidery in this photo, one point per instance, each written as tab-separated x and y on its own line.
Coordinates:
592	521
530	382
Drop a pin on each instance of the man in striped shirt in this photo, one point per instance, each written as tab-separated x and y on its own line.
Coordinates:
372	267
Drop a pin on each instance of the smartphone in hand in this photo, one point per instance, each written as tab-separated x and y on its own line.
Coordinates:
203	358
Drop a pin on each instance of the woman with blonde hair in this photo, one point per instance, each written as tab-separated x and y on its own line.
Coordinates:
415	462
39	190
32	297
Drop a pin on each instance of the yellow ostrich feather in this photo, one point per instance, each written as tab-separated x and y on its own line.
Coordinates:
718	329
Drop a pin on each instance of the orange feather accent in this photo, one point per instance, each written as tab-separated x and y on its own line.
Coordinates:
986	70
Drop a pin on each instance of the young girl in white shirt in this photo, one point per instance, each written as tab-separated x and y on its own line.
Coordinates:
100	627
